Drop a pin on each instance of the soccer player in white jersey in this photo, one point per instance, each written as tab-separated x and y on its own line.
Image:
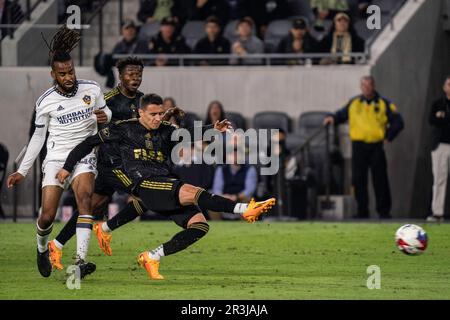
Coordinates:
69	111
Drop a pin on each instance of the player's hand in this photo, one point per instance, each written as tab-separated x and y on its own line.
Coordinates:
171	112
101	116
13	179
328	120
62	175
223	125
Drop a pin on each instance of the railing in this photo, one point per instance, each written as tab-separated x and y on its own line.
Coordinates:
250	59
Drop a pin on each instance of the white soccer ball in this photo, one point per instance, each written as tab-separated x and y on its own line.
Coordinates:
411	239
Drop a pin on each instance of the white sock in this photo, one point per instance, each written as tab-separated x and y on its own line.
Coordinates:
105	228
42	237
58	244
84	227
240	208
157	253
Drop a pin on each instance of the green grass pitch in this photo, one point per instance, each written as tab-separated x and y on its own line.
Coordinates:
236	260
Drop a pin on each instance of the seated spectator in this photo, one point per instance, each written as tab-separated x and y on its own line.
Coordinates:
298	41
237	9
214	113
10	13
167	41
341	39
265	11
234	181
247	43
327	10
202	9
130	44
156	10
213	42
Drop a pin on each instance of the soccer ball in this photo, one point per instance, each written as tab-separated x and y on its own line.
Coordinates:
411	239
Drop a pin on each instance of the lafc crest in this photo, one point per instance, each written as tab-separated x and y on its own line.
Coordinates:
87	99
148	141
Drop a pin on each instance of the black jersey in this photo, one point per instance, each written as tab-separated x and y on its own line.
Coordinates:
144	153
122	108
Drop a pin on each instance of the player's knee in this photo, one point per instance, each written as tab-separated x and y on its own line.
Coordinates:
45	220
188	194
201	228
84	198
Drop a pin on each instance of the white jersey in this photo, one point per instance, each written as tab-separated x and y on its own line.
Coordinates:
69	120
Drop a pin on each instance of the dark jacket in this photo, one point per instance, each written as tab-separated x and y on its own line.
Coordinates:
441	126
358	44
177	45
133	47
309	44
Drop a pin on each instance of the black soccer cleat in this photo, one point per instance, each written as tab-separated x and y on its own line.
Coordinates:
44	264
86	268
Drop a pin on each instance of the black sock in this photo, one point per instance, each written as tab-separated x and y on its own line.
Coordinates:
131	211
208	201
69	229
185	238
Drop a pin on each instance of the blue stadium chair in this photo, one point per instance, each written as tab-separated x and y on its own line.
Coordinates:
237	120
192	32
272	120
276	30
148	30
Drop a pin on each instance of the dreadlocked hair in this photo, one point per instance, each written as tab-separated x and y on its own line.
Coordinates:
62	43
129	61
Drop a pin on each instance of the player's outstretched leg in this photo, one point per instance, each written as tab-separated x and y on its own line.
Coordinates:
104	230
207	201
196	229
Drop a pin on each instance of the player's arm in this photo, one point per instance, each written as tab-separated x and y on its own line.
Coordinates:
83	149
33	149
102	112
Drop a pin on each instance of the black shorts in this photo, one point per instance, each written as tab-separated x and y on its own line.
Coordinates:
160	194
110	180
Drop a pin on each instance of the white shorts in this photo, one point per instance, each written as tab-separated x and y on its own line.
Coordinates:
50	169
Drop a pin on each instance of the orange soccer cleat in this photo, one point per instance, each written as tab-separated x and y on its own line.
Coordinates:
150	265
55	256
104	239
255	209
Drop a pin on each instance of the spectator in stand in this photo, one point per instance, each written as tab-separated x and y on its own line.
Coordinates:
298	41
130	44
167	41
237	9
10	13
215	112
342	39
202	9
265	11
247	43
213	42
156	10
327	10
234	181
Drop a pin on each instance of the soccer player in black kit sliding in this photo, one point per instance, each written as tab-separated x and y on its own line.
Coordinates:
145	146
123	102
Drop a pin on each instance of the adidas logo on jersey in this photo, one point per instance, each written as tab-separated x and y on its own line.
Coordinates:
60	108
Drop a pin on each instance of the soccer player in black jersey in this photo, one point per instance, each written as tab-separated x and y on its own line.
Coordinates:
145	146
123	102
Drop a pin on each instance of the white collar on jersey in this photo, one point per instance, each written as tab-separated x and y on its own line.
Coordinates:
67	95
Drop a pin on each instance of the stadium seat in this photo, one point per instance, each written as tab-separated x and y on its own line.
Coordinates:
4	156
188	120
309	123
387	6
272	120
148	30
301	8
276	30
192	32
236	119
